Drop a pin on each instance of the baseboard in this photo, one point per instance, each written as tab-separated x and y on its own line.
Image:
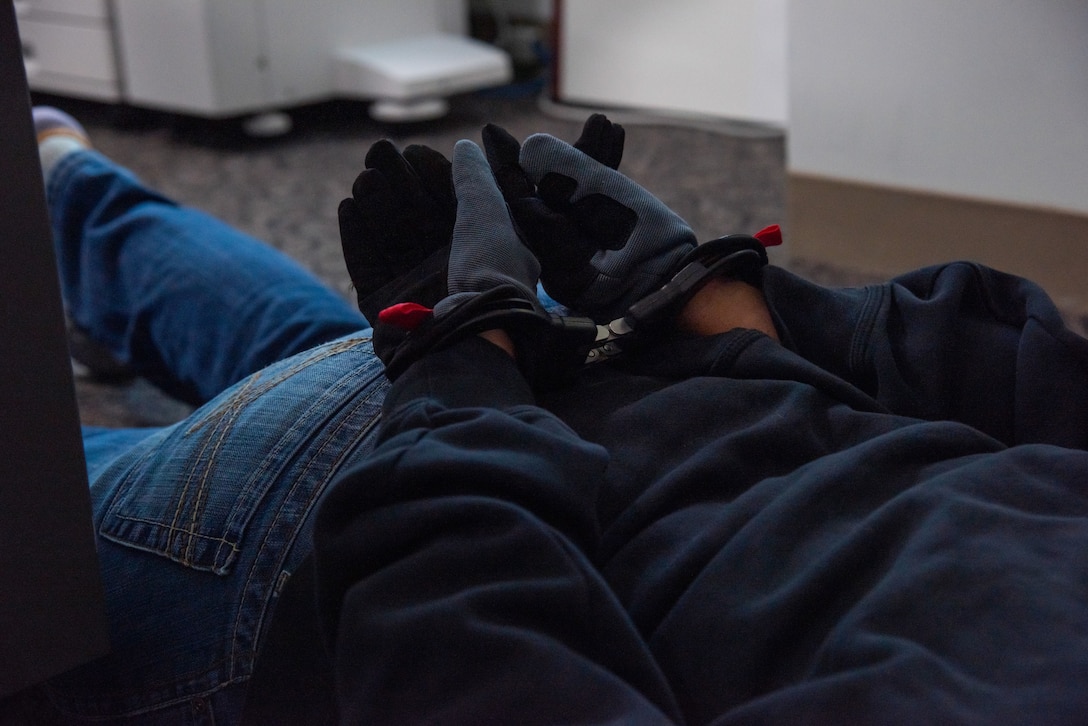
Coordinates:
880	231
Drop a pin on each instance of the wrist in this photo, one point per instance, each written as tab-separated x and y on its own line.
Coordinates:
501	339
724	304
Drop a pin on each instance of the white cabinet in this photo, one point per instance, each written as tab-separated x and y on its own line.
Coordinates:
203	57
68	47
220	58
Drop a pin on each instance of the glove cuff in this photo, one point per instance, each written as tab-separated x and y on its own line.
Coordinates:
738	256
541	345
424	284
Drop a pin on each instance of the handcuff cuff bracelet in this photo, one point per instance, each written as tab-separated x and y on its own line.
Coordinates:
737	256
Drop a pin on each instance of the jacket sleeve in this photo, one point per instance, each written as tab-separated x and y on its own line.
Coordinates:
453	579
959	342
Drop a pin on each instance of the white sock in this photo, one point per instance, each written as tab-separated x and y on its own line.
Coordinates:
56	146
58	135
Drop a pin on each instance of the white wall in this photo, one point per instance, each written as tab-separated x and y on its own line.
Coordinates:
722	58
975	98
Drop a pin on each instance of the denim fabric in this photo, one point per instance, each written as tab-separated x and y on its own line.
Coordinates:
200	524
192	304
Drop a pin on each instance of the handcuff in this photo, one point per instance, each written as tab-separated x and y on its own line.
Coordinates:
738	256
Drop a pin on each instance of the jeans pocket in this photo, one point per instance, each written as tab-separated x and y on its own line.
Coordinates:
279	435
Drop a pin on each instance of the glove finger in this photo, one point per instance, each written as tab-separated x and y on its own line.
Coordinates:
543	154
605	220
378	210
546	156
654	245
369	241
410	214
435	173
486	251
561	249
502	151
437	208
551	235
401	177
557	190
352	239
369	209
371	193
602	140
367	266
376	236
370	184
411	204
376	201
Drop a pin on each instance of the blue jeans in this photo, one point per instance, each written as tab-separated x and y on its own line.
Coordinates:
200	524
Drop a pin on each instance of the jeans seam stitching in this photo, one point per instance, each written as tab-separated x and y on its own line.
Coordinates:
248	395
313	494
223	427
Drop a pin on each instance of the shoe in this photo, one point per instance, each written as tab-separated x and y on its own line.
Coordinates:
92	360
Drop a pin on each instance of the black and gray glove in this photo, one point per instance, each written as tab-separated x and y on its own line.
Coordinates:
605	244
395	232
440	278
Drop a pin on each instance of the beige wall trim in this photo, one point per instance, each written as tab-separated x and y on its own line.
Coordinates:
883	231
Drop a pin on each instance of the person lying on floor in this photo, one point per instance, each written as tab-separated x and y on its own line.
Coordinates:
201	523
779	504
198	524
841	515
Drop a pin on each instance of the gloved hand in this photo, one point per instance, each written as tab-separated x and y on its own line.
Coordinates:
603	241
485	250
437	291
602	140
395	232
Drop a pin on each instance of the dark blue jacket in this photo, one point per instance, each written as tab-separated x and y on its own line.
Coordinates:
884	519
